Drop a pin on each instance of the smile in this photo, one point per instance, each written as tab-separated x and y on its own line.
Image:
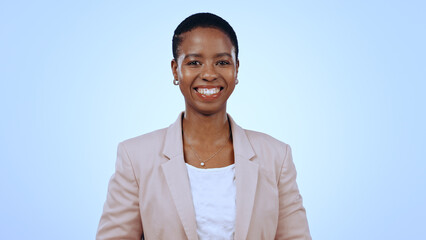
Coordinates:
208	93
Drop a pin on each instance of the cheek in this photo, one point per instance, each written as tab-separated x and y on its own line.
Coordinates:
184	87
185	91
186	74
229	76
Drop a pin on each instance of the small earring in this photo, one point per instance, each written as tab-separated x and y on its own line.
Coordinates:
175	82
236	81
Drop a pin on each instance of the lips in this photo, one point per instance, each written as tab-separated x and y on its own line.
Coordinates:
208	92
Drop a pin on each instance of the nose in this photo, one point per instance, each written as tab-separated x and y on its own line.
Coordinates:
209	73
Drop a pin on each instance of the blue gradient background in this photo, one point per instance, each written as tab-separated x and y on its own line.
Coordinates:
343	82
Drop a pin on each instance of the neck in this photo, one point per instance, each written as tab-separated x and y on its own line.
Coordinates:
206	130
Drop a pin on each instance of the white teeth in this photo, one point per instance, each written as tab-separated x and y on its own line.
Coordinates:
208	91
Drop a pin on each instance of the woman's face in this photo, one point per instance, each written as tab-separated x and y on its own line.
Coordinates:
206	68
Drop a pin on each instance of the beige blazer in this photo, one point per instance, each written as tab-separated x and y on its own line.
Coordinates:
149	193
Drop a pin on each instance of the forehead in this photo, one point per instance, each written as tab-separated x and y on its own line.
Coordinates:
205	41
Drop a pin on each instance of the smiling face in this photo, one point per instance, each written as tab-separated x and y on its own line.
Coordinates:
206	68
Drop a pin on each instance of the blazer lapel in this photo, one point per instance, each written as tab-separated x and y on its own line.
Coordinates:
246	174
177	179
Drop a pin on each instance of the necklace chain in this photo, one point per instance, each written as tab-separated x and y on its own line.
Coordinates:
203	163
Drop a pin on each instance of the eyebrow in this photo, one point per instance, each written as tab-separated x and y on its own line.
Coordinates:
223	54
215	56
193	55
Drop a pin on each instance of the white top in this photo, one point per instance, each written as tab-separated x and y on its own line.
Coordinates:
213	193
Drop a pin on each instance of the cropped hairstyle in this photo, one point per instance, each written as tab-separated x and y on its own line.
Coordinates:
206	20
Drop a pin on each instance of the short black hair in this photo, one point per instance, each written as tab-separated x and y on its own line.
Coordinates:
206	20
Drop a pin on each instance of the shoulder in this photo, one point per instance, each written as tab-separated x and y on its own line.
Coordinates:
264	142
152	141
270	153
144	152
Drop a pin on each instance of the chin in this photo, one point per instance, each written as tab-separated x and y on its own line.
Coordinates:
208	110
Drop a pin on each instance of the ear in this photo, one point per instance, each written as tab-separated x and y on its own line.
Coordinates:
238	65
174	66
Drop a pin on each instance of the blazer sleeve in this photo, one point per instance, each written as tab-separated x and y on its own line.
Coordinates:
292	221
121	216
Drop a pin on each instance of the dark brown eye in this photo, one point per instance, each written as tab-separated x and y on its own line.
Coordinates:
193	63
222	62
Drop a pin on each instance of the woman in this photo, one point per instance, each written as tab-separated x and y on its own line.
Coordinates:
204	177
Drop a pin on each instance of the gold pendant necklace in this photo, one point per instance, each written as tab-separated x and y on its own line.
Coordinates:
203	162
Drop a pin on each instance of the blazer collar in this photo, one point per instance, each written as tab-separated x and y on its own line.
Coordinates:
174	146
246	174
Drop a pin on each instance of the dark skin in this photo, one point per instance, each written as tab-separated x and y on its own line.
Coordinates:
206	60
